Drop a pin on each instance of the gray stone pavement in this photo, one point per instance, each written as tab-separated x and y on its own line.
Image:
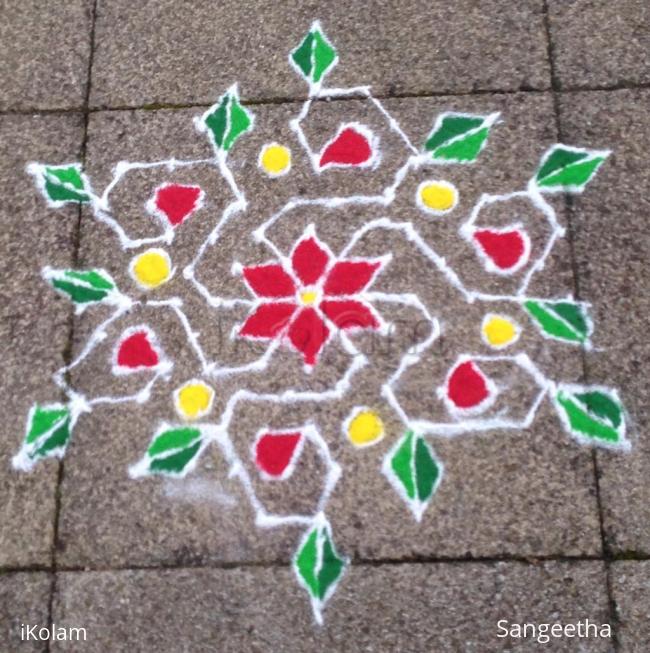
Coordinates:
600	43
44	54
35	329
630	585
612	248
247	41
527	526
24	599
407	607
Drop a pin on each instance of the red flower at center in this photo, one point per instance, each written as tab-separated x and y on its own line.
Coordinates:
301	300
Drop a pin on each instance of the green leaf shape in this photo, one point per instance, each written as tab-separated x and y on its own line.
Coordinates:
565	168
557	159
317	562
97	278
592	413
47	434
172	440
82	286
463	150
306	561
459	137
217	120
69	175
175	463
561	320
315	56
427	471
401	464
451	126
64	183
43	419
227	120
413	469
57	439
602	406
240	122
172	450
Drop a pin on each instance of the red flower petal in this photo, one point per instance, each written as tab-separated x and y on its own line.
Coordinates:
349	277
467	386
308	333
505	248
349	314
274	452
349	148
177	202
268	320
269	281
136	352
309	261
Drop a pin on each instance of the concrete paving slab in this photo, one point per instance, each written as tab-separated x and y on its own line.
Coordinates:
35	321
502	490
612	249
598	44
24	600
436	607
44	51
631	593
163	52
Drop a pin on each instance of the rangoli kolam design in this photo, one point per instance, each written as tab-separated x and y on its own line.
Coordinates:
314	296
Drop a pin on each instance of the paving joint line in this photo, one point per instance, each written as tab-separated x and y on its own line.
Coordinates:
607	555
532	560
172	106
68	350
556	87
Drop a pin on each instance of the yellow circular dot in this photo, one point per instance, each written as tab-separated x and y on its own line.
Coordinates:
499	331
365	428
275	159
308	297
151	268
437	197
194	400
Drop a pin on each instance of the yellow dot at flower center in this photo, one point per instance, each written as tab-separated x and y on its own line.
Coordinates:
151	268
194	400
438	196
308	297
499	331
275	159
365	428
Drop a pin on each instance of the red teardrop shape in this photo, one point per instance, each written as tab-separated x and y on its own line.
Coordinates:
504	248
349	148
467	386
136	351
274	452
177	202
